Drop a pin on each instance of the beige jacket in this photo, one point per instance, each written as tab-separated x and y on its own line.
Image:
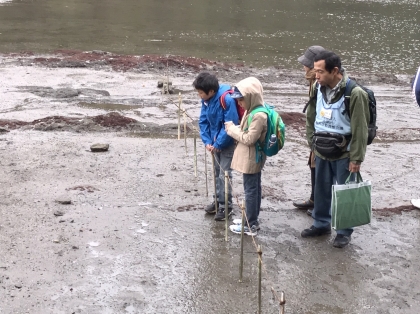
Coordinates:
244	157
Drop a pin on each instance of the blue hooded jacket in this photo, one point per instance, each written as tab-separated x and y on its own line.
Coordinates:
416	87
213	117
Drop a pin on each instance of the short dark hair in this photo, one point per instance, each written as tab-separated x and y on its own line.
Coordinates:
206	82
330	58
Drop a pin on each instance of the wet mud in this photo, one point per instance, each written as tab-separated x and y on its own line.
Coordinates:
124	231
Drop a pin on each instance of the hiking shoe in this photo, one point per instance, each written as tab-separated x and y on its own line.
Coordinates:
309	212
220	216
304	204
211	209
341	240
238	229
238	221
315	232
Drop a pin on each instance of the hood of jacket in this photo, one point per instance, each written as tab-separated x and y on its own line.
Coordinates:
252	90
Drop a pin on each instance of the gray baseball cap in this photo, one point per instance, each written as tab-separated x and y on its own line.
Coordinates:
307	59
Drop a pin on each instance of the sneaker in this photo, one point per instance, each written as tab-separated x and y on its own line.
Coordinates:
341	240
220	216
304	204
315	232
211	209
238	221
238	229
309	212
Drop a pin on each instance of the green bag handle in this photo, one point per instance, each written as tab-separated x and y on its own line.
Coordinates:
358	177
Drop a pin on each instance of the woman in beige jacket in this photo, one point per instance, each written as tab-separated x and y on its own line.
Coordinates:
246	158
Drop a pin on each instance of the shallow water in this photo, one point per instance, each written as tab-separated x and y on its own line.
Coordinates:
372	36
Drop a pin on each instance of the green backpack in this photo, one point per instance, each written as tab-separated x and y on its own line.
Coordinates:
276	129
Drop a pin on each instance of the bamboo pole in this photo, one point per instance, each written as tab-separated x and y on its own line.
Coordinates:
195	155
282	302
241	263
205	169
226	204
259	277
185	131
179	117
214	181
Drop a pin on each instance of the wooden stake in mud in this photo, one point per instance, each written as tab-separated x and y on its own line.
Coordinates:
241	263
226	204
205	169
195	155
259	277
179	117
185	130
282	302
214	180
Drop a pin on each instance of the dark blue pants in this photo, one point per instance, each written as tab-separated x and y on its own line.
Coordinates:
252	188
222	163
328	173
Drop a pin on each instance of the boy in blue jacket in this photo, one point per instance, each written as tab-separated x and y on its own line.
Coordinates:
214	136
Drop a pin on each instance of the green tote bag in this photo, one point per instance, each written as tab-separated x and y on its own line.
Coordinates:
351	204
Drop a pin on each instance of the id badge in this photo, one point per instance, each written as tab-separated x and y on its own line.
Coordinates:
327	114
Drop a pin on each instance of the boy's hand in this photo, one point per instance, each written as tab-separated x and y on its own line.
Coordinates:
212	149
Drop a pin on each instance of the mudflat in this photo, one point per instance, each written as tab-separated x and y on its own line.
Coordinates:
124	230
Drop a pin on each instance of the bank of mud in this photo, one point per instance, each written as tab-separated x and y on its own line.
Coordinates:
135	238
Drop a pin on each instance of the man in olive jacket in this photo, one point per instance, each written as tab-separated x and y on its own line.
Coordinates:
326	113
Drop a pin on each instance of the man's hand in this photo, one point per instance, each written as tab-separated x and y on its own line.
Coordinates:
353	167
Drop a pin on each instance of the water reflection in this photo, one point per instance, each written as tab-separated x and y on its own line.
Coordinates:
369	35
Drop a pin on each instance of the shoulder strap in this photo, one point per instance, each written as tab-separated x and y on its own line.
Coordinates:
254	111
222	98
314	96
349	87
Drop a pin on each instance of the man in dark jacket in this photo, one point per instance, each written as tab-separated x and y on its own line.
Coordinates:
213	134
326	113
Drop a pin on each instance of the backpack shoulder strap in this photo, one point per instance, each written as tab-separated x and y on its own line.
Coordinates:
314	96
254	111
223	100
349	87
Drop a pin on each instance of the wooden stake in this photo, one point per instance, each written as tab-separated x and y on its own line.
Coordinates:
179	117
226	204
205	169
241	263
185	131
282	302
195	155
216	205
259	277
